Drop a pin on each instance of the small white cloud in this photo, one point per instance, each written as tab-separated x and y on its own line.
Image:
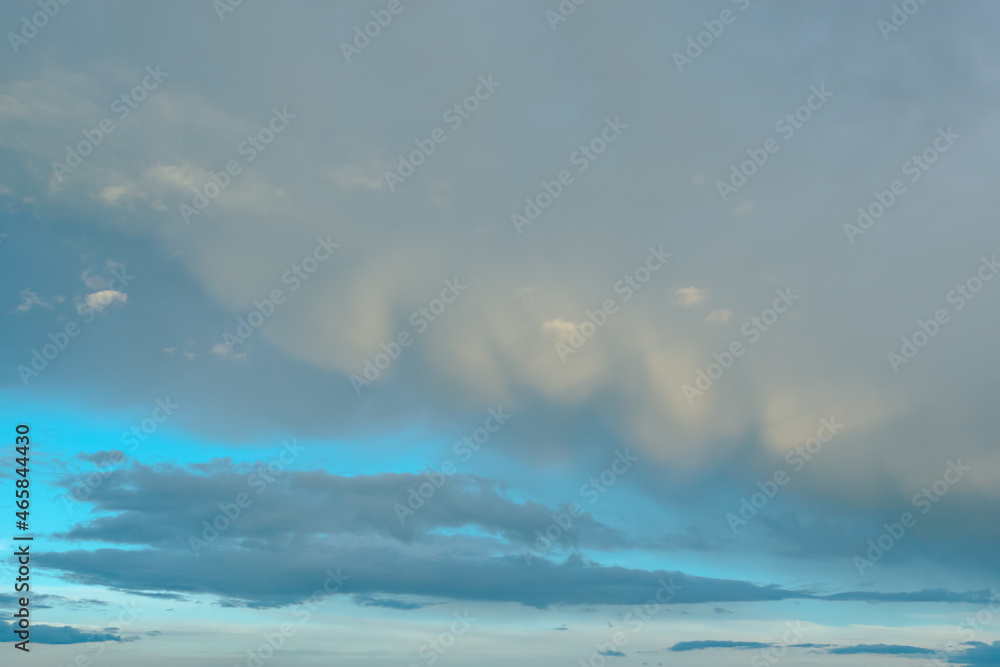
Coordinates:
100	300
689	296
170	350
189	356
162	182
699	178
93	282
184	177
743	209
113	193
30	300
225	351
719	315
561	328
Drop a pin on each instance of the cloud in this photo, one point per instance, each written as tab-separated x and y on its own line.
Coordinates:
857	649
114	193
287	530
163	508
102	458
93	282
225	351
690	296
227	571
56	634
100	300
492	346
30	299
181	177
880	649
388	603
980	655
140	492
719	315
706	644
561	328
47	601
979	597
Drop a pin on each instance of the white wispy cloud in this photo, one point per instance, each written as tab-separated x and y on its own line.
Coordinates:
689	296
30	300
100	300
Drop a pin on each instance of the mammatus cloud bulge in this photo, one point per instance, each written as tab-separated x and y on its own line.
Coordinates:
490	347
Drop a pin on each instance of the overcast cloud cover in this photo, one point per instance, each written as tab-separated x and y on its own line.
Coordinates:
670	326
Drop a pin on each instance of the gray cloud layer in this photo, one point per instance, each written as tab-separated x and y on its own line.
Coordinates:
304	524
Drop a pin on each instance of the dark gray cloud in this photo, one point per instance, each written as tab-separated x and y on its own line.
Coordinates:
161	596
979	655
856	649
289	531
57	634
103	457
925	595
167	505
48	601
304	523
704	644
880	649
388	603
293	574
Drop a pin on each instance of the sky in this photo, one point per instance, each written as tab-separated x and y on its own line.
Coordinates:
397	333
